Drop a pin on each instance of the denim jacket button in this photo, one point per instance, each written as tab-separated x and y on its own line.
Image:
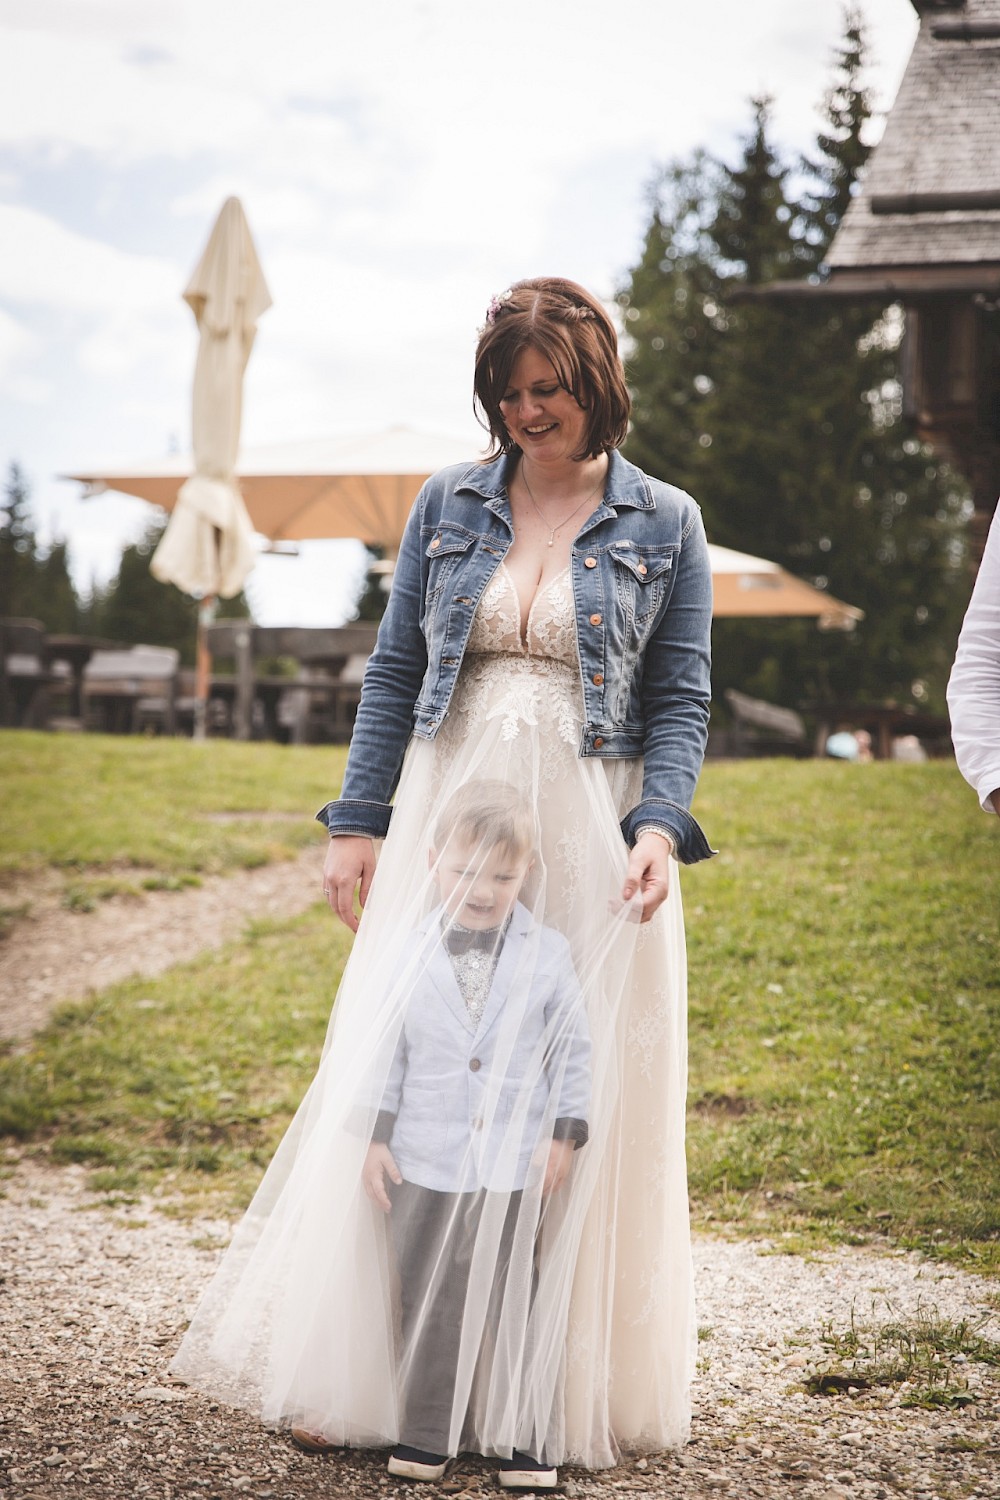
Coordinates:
598	743
590	562
597	679
436	542
642	569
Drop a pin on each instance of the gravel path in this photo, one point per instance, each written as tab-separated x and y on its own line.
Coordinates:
53	954
94	1300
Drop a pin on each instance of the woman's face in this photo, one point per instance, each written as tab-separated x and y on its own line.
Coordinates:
543	418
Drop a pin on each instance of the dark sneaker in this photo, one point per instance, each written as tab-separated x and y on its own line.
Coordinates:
414	1463
522	1472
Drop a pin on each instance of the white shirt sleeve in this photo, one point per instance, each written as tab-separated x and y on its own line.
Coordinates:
974	686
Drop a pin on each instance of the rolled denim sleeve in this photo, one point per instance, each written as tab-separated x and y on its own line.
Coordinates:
392	683
676	696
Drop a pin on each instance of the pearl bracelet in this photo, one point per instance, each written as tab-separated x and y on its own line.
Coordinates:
660	833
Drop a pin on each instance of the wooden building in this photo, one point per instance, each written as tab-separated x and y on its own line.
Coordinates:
924	231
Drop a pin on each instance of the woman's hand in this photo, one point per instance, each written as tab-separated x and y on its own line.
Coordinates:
557	1167
379	1161
348	867
648	873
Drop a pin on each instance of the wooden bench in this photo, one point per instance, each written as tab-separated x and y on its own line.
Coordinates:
131	690
25	677
760	728
315	704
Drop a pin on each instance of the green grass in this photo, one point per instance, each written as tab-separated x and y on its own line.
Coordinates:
88	803
926	1355
186	1082
844	975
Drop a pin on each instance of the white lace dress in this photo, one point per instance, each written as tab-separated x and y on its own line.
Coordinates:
592	1350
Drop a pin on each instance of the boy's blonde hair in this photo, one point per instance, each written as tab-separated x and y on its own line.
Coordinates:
489	813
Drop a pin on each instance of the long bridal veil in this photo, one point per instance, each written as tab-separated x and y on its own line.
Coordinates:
502	1013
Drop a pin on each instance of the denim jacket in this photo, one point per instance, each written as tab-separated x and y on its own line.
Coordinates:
643	593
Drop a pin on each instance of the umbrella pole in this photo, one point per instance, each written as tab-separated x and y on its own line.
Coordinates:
203	667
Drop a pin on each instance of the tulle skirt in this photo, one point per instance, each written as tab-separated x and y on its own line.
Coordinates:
474	1235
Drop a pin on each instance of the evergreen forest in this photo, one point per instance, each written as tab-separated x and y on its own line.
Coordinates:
783	416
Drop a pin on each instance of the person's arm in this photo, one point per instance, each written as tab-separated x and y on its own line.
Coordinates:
974	685
392	682
676	694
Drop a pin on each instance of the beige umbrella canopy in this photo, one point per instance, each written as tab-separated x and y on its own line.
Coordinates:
745	586
207	548
361	486
364	487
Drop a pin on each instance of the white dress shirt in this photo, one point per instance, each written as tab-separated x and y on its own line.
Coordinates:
974	686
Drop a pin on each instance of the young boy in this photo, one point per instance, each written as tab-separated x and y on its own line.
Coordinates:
486	1100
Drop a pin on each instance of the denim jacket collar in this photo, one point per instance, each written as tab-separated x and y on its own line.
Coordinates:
625	485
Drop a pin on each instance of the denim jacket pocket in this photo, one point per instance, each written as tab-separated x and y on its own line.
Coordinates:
643	576
446	546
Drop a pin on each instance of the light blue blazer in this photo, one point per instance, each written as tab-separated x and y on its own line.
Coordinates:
474	1105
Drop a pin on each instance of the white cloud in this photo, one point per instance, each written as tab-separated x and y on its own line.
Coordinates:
50	265
399	160
19	346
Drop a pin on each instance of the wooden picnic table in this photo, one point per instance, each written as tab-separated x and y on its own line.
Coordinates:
320	698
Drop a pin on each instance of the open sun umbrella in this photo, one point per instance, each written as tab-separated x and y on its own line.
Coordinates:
745	587
207	549
363	487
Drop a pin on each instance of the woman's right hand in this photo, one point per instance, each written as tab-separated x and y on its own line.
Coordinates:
348	867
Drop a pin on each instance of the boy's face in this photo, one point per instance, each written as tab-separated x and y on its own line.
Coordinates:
478	886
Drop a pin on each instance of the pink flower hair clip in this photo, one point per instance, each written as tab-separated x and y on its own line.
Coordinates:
495	307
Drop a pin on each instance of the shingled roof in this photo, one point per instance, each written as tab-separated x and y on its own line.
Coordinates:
928	212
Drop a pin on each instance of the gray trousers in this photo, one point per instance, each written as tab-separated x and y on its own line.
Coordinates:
434	1236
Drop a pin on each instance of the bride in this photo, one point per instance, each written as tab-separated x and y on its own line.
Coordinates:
474	1237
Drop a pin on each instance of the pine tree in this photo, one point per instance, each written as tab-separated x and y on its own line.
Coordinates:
784	420
58	606
135	609
18	580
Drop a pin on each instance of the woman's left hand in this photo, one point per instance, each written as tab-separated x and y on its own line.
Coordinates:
648	873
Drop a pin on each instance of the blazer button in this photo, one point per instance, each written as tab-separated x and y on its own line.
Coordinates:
595	619
475	1065
597	679
598	743
590	562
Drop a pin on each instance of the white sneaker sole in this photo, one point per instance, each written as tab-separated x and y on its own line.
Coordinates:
528	1479
401	1468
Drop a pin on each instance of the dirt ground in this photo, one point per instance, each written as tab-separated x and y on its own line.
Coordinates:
93	1300
52	954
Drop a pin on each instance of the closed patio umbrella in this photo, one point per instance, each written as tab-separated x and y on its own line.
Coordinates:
207	549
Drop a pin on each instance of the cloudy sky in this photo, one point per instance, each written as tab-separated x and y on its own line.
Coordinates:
398	160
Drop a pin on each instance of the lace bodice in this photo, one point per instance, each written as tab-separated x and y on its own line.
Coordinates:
551	629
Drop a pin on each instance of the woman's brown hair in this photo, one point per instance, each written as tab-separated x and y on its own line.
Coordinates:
572	331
